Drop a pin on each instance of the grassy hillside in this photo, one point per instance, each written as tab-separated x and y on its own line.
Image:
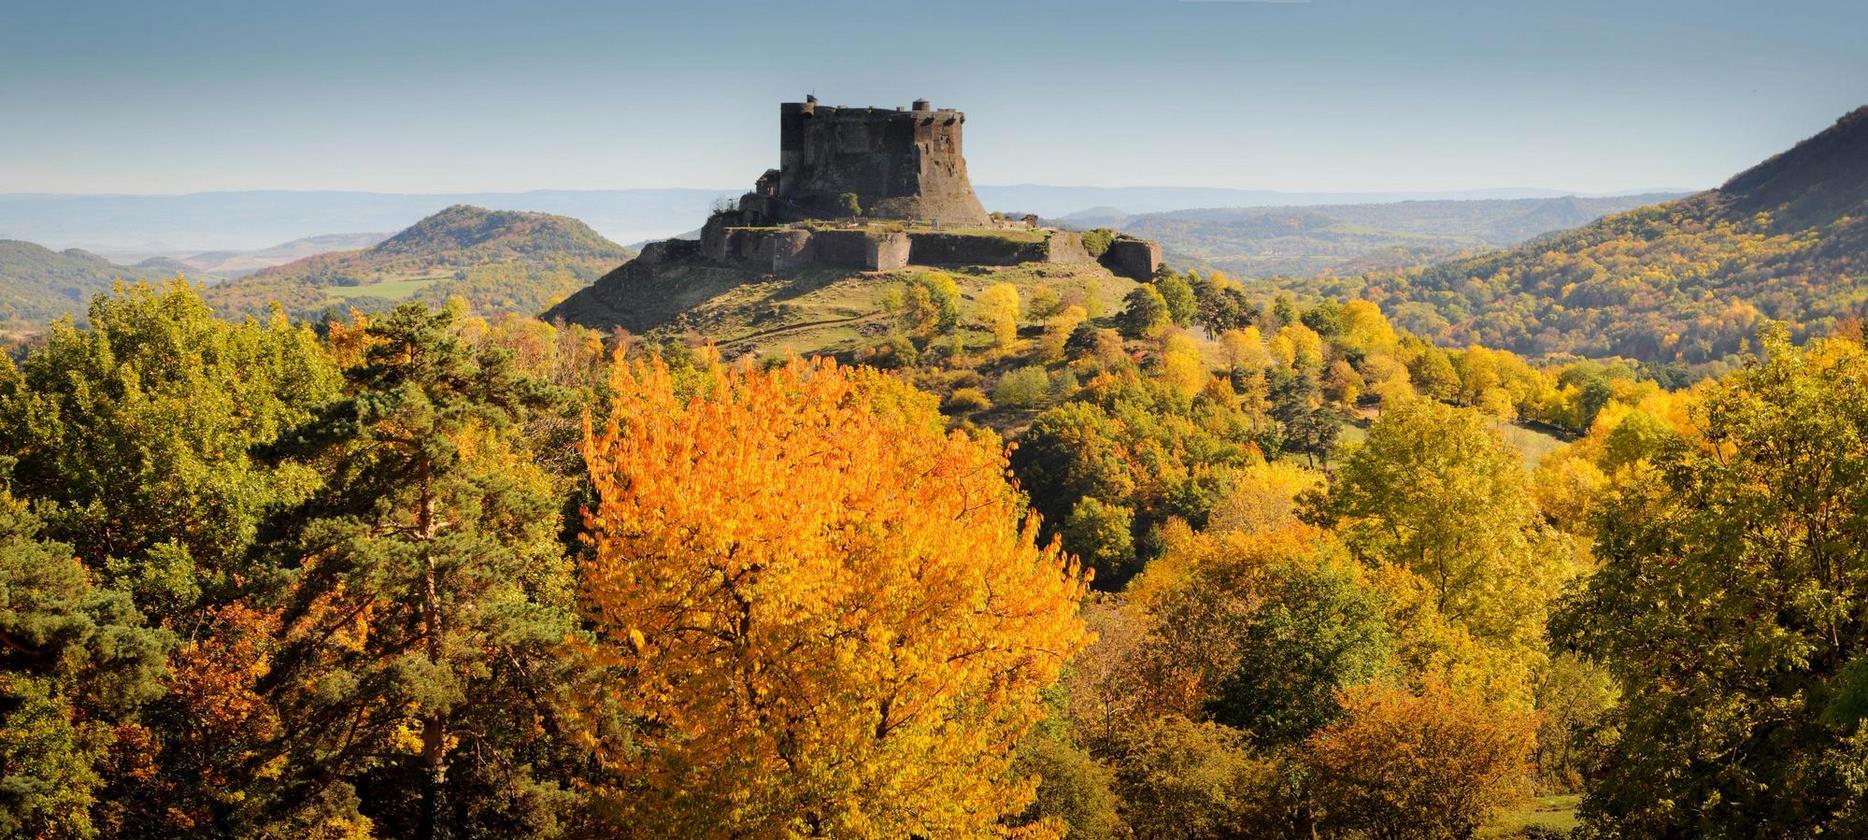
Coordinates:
1688	280
38	284
1272	241
816	312
499	261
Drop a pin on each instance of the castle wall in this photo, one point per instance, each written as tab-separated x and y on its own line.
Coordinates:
840	247
889	251
972	249
1135	259
1065	247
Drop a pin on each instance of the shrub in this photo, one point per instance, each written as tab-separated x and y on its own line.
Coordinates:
966	401
1097	241
1428	765
1022	388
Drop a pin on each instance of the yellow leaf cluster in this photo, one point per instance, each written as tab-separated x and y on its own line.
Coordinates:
831	615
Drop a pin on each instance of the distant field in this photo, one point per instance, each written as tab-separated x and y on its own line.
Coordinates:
388	289
1554	813
1534	444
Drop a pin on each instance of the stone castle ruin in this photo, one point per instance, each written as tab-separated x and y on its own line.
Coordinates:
876	189
895	164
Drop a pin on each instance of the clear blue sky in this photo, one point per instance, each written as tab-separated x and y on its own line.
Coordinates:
1348	95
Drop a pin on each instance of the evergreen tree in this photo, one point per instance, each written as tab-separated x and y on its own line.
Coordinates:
428	594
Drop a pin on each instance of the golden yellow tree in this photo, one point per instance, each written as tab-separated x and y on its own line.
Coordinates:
830	616
997	309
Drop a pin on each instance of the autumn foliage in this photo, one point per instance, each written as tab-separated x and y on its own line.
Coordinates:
829	616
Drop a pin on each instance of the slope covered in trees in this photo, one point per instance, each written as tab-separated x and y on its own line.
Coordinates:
499	261
38	284
1688	280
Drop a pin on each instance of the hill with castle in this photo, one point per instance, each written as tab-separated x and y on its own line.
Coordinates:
861	197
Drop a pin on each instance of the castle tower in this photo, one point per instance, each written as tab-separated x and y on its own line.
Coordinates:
899	164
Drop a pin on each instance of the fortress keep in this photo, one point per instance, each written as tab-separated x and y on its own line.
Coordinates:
904	164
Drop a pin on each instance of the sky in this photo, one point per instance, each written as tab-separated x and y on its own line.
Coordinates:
1325	95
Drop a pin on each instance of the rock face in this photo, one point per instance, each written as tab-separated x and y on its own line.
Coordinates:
897	164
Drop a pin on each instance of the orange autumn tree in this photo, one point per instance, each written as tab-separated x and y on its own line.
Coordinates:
829	616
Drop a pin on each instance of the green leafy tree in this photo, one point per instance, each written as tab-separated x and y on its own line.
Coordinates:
1177	292
1310	630
1145	313
1073	788
133	437
1181	780
1101	535
1728	609
1437	491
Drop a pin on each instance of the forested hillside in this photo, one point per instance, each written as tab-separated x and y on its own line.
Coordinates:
38	284
499	261
1688	280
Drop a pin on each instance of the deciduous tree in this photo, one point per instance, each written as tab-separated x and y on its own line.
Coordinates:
832	621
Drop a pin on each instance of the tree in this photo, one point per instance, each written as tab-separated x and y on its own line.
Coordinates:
849	205
1138	443
427	590
1144	313
133	436
930	305
1181	365
76	663
1432	765
1304	630
831	617
997	310
1262	630
1101	535
1435	490
1177	293
1073	788
1727	608
1181	780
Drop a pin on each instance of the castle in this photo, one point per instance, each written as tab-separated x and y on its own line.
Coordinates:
876	189
890	164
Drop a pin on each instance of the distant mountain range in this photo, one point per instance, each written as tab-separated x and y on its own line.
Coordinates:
133	227
234	263
1300	241
1687	280
498	260
1057	202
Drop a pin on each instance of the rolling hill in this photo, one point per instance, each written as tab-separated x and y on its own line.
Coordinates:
498	260
38	284
1296	241
1687	280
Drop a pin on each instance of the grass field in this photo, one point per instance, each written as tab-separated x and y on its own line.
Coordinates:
387	289
1532	443
1552	813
